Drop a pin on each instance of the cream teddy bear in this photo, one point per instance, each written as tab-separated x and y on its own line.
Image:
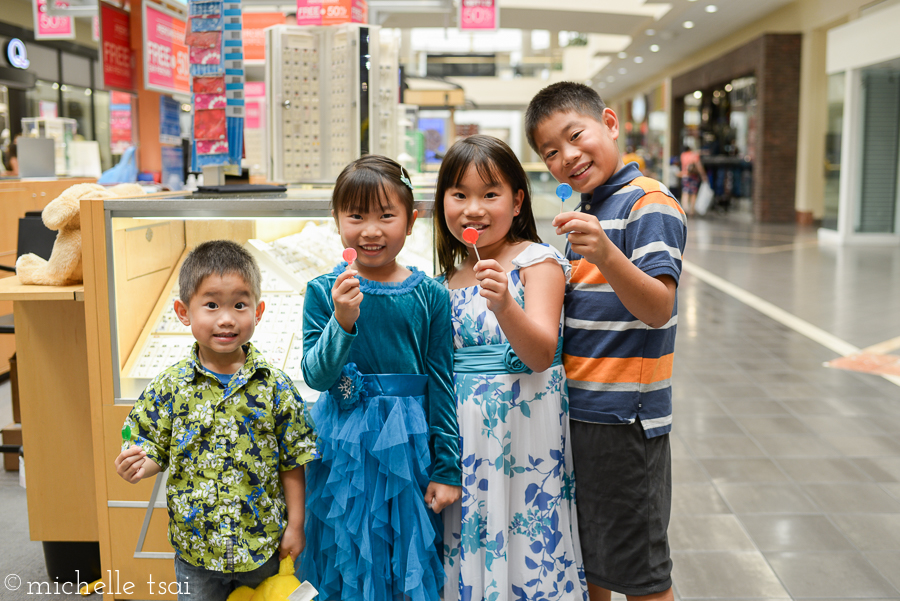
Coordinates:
63	214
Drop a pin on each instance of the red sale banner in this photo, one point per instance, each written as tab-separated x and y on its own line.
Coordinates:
115	29
52	28
332	12
166	66
254	33
478	14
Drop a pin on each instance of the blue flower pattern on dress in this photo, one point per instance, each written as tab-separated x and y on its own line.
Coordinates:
518	487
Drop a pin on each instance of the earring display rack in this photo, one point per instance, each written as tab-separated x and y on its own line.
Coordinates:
331	95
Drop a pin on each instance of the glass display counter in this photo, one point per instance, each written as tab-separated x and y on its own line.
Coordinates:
292	236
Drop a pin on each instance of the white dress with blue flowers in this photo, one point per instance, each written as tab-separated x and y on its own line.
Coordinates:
514	534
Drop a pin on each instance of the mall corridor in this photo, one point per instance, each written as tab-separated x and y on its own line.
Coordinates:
786	472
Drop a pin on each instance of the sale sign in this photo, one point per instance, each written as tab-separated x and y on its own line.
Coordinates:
166	59
52	28
478	14
255	35
115	29
331	12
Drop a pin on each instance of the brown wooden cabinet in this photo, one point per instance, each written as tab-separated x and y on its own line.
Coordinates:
16	198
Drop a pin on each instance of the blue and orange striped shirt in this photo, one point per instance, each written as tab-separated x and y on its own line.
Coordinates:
619	369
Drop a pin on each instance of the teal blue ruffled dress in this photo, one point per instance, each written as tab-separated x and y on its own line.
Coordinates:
386	426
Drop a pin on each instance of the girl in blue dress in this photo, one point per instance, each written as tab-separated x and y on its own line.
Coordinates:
377	343
514	534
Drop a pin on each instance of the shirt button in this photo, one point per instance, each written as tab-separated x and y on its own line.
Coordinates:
640	405
587	207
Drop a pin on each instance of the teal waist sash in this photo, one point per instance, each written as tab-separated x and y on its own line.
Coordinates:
395	384
492	359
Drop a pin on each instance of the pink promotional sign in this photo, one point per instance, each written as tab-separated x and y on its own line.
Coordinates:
255	93
116	57
478	14
166	66
332	12
52	28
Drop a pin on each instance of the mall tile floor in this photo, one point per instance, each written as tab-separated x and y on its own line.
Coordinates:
786	473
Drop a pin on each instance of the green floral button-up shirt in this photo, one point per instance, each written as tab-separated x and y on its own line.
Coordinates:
224	447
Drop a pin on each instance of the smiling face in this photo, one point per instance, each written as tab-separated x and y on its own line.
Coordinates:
488	207
377	236
578	149
222	315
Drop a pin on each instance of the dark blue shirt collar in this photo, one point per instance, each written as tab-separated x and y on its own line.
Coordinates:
616	182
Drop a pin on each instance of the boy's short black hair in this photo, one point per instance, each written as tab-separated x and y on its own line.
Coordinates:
561	97
217	257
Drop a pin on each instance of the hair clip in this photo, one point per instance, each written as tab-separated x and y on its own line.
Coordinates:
405	179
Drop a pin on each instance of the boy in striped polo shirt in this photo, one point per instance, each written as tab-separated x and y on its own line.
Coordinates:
625	241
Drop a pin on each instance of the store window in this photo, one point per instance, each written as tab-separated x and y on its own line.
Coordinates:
833	136
77	105
880	149
721	123
43	100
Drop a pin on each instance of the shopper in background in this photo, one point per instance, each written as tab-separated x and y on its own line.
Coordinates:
692	173
11	160
625	244
376	342
514	534
631	156
230	427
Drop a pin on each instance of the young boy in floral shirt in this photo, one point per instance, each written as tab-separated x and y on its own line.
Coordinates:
230	428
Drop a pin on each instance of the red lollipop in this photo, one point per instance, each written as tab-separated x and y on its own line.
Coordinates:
470	235
349	255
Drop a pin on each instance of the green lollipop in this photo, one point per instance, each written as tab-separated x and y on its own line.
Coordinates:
126	433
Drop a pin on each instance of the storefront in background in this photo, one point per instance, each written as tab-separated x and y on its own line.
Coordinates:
862	194
61	79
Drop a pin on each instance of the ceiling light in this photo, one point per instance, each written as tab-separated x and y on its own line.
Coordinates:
654	48
88	92
698	94
728	87
611	78
55	86
622	70
650	32
711	8
688	24
602	84
622	55
639	59
588	82
64	88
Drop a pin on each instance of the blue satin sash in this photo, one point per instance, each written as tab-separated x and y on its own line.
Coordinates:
492	359
395	384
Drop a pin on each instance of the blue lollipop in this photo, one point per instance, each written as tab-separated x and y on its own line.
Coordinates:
564	191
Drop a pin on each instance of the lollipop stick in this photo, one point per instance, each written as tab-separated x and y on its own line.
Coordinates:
475	248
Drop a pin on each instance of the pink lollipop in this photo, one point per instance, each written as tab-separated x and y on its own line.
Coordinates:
470	235
349	255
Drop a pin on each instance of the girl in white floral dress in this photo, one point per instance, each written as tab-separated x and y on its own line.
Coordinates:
513	535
